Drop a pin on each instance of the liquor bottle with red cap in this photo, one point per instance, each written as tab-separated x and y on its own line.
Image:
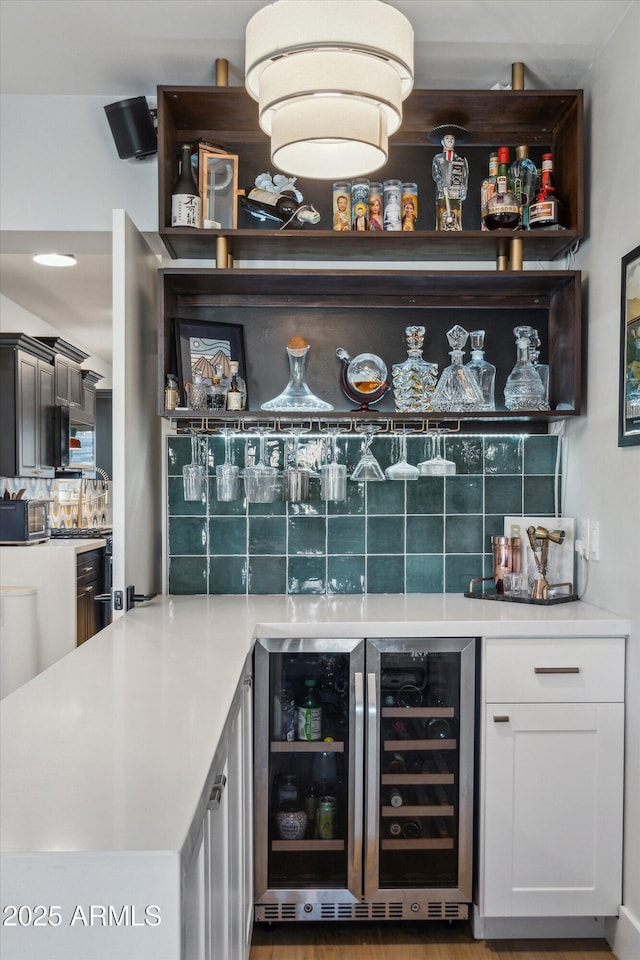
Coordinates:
502	208
546	212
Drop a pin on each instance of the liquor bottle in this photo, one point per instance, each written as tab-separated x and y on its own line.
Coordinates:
484	372
488	187
185	199
237	392
267	205
541	368
171	394
457	389
414	379
524	389
523	177
502	208
218	391
396	764
395	797
197	393
546	212
450	173
309	715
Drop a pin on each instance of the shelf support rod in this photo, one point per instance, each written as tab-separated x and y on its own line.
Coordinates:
517	245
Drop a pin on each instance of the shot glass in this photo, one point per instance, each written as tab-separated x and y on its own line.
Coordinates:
512	584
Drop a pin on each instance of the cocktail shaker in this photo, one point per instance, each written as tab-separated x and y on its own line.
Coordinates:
506	559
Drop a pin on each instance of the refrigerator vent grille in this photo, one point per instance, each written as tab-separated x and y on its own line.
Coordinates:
361	911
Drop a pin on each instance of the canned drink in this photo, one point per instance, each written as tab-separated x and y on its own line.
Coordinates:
392	190
409	206
376	205
342	205
325	818
360	204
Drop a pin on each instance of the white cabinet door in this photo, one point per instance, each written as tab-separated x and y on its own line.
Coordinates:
217	894
551	817
195	915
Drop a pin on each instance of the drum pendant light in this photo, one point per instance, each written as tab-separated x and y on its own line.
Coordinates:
329	77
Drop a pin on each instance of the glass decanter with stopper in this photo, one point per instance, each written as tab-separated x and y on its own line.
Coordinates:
483	371
414	380
542	369
524	390
297	395
457	389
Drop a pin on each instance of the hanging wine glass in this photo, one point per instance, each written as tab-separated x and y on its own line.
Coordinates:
261	481
227	473
295	477
436	465
194	473
367	469
402	469
333	475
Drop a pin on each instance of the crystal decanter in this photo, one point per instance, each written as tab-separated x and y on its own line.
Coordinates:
483	371
524	390
542	369
414	379
457	389
297	396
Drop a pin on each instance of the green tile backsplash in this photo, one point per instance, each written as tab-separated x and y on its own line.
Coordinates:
430	535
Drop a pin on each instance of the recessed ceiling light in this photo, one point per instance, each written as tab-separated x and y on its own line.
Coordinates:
56	259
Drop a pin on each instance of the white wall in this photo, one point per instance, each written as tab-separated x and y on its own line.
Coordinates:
603	480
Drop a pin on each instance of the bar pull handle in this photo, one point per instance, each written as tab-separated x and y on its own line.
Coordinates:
217	790
358	777
556	669
371	857
500	718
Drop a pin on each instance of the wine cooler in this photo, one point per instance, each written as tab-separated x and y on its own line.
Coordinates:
364	778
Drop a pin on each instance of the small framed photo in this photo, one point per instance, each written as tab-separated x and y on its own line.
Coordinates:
218	176
201	346
629	411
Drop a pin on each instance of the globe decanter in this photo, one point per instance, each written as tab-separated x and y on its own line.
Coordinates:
414	379
524	390
542	369
482	370
457	389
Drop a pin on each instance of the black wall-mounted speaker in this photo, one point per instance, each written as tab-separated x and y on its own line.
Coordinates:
132	128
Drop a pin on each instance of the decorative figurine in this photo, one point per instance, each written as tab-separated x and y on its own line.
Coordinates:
451	175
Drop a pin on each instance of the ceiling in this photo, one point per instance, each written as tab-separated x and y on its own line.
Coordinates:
128	47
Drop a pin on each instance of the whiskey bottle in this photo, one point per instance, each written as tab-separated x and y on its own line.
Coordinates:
545	213
484	372
488	187
185	199
523	177
414	379
502	208
234	394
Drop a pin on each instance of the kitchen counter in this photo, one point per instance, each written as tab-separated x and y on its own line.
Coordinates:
106	753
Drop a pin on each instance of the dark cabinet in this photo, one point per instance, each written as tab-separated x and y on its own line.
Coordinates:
90	582
27	398
68	375
85	414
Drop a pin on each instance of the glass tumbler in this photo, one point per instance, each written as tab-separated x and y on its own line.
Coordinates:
193	480
227	482
333	481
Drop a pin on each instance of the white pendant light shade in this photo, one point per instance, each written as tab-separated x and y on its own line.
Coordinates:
341	138
346	65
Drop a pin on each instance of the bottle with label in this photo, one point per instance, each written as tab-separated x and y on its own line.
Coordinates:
523	177
488	187
502	208
171	395
267	205
483	371
218	391
545	212
185	199
237	392
309	714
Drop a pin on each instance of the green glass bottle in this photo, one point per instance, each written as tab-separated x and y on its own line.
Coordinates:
310	714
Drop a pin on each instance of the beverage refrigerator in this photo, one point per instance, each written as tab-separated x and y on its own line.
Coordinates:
364	768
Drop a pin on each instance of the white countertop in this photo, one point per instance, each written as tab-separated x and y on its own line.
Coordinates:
109	749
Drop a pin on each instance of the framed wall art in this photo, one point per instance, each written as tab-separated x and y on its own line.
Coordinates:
629	388
201	346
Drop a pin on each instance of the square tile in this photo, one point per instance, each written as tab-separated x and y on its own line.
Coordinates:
385	535
178	506
540	454
463	534
425	574
503	455
306	575
466	453
425	534
463	494
346	574
493	527
387	497
385	574
187	536
346	535
503	494
307	535
539	495
228	536
226	508
426	495
276	509
460	570
188	575
228	575
267	536
267	575
178	454
354	504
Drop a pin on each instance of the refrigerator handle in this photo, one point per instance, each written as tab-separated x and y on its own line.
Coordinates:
373	778
358	785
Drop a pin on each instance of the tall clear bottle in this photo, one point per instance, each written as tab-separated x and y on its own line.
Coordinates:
524	389
542	368
457	389
185	199
414	379
483	371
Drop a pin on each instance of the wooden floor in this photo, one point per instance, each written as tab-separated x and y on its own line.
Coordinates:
408	941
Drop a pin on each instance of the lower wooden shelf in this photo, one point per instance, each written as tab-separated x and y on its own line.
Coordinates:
300	846
430	843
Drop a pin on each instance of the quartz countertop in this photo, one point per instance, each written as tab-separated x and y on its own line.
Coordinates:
109	749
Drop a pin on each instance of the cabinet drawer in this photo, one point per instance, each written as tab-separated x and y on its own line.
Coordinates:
89	566
554	669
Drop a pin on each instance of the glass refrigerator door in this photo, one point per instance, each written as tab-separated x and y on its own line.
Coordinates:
420	705
309	803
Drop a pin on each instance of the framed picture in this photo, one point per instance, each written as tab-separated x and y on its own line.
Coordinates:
218	176
201	346
629	416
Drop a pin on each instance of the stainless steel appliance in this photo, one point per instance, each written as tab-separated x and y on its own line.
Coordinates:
23	521
373	821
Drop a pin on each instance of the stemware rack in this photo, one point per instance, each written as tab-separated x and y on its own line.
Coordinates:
254	422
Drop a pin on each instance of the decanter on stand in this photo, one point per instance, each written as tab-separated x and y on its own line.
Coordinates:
524	390
457	389
483	371
414	379
541	368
